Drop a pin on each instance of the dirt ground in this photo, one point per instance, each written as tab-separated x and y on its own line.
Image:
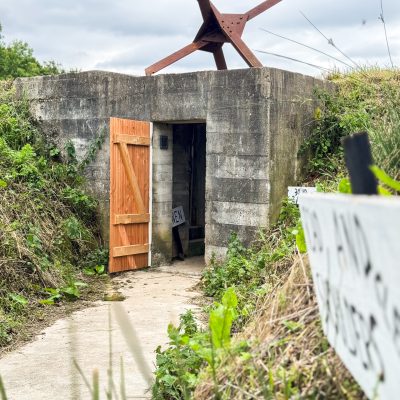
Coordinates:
44	369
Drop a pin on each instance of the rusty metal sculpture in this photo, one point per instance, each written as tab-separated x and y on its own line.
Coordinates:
216	30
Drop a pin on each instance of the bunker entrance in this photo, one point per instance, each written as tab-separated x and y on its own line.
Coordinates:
188	189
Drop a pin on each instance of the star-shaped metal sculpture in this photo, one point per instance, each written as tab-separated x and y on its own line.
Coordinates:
216	30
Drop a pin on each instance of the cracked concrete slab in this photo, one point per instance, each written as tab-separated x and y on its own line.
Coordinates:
155	297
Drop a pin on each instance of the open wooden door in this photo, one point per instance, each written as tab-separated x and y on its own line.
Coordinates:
129	194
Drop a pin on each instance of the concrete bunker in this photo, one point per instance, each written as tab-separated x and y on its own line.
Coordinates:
253	122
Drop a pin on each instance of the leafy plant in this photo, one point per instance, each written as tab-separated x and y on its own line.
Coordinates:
191	348
344	186
48	230
179	364
70	292
221	319
323	147
96	270
18	298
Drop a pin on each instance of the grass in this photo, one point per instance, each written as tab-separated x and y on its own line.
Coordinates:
288	355
278	349
365	100
48	224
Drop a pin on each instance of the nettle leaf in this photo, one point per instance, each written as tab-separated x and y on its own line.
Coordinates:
3	184
18	298
54	152
100	269
89	271
70	291
49	301
168	379
51	291
204	352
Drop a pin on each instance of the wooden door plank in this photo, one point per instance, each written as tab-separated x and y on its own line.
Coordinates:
126	219
125	241
126	160
135	140
123	251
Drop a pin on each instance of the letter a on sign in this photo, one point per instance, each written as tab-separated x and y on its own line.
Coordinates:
129	194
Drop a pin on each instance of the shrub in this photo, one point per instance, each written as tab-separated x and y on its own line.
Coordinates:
48	223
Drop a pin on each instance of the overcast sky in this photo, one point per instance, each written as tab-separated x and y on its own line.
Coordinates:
129	35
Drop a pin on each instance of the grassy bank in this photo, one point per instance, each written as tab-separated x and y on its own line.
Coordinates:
48	224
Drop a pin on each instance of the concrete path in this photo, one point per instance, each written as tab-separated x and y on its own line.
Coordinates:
43	370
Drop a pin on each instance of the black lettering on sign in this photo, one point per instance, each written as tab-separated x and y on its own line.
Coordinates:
350	239
396	329
312	229
363	247
373	351
351	244
382	297
352	329
340	244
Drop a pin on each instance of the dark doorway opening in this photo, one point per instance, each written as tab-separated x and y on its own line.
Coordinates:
189	185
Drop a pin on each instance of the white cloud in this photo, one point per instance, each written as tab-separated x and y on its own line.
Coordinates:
127	36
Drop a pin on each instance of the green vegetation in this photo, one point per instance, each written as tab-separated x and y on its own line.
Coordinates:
48	224
278	350
366	100
17	60
281	351
191	348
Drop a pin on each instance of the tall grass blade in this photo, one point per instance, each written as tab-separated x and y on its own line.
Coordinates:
2	390
110	355
87	383
122	385
133	343
96	385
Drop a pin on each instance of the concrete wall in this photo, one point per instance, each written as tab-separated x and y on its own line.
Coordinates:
256	120
162	245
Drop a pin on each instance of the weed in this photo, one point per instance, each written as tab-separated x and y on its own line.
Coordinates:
179	364
70	292
366	100
48	228
190	348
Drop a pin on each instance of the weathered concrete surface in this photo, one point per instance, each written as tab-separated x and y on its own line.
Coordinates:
42	370
256	121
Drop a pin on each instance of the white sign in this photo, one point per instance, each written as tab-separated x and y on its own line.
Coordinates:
295	191
178	216
354	248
